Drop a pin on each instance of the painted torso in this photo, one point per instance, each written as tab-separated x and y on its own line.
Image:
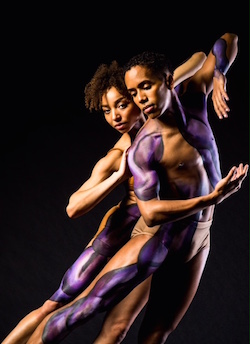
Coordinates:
175	156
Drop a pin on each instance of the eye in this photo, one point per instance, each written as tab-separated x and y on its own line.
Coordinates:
147	86
106	112
123	105
133	94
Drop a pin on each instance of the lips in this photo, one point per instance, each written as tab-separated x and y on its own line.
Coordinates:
120	126
148	109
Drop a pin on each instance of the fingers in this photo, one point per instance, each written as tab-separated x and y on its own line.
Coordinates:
231	174
220	105
243	172
245	169
239	173
220	97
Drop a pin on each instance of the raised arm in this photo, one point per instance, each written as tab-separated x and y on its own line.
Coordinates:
189	67
212	75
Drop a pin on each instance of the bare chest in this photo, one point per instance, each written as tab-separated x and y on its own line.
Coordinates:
178	154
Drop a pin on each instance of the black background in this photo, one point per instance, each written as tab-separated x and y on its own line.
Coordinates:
49	144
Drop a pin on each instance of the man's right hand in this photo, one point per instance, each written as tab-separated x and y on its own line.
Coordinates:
231	183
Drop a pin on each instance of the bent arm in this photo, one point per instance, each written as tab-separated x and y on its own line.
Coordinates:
189	67
212	75
105	176
157	211
220	58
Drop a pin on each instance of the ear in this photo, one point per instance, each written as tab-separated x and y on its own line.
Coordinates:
169	81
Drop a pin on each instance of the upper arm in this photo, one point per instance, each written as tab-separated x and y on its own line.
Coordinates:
203	78
189	67
108	164
103	169
143	160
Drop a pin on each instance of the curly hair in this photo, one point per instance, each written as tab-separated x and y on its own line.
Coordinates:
105	77
158	63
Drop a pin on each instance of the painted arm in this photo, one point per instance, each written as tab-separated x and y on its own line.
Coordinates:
155	211
225	51
212	75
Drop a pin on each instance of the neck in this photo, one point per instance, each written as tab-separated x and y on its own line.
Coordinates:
133	132
176	110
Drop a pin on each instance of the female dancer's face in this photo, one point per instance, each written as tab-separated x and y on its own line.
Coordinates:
121	113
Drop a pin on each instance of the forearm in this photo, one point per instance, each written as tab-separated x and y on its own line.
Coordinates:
157	211
83	201
225	50
189	68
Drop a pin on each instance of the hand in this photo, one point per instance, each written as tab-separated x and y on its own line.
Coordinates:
124	169
231	183
219	95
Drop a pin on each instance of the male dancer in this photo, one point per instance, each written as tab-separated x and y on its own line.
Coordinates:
106	92
175	164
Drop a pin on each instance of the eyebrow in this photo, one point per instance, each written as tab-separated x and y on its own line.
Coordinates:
141	84
116	102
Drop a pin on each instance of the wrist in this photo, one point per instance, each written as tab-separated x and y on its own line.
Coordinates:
117	177
210	199
218	73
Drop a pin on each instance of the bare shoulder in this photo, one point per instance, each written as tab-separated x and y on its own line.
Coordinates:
111	161
123	143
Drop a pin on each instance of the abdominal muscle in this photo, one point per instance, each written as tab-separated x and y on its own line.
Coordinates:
185	173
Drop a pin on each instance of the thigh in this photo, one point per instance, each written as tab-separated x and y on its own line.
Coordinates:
128	309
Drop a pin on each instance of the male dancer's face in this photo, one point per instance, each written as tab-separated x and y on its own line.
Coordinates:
150	93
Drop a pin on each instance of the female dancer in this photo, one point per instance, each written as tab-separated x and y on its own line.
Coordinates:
175	164
115	228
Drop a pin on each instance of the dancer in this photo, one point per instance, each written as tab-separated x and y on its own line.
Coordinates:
175	164
117	224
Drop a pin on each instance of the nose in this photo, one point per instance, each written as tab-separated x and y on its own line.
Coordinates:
115	115
141	97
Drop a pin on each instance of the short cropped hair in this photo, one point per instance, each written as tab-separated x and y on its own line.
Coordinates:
158	63
105	77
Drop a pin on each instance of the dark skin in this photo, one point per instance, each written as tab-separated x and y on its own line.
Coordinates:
107	93
129	261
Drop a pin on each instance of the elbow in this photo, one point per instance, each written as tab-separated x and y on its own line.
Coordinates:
76	209
149	212
150	222
149	219
201	56
70	211
231	39
232	46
